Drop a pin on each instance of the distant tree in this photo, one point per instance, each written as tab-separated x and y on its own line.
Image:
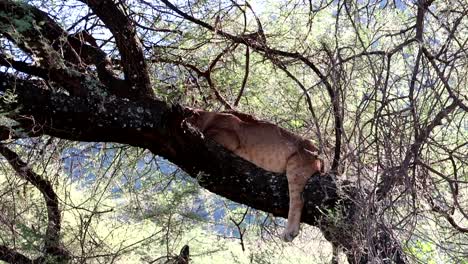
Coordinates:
379	85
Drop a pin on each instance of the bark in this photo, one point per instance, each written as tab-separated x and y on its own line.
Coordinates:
12	256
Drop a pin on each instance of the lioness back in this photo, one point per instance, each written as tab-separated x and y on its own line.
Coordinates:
267	145
260	142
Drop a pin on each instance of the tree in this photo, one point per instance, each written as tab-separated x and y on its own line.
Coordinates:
386	103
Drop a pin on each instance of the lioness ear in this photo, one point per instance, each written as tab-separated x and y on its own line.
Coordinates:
188	111
192	112
325	163
195	114
193	118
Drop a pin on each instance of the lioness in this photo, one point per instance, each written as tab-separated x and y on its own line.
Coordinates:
267	146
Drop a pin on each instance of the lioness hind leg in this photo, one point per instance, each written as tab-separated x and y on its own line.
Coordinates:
294	213
298	174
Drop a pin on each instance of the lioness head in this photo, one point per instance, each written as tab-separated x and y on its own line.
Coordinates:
200	119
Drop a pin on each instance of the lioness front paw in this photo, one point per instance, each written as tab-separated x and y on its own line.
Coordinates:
289	236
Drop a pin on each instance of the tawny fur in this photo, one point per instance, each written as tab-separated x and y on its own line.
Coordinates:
269	147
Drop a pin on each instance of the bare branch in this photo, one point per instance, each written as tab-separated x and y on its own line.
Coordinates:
24	67
239	228
246	76
391	179
309	104
444	80
448	217
207	73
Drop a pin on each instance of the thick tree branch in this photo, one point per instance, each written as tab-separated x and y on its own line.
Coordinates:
12	256
31	29
93	55
129	45
34	32
24	67
54	44
52	246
